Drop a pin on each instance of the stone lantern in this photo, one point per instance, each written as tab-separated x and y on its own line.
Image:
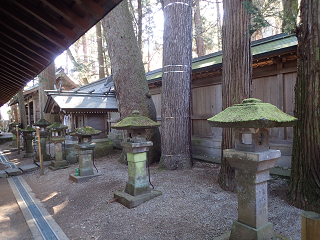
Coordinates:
85	148
252	160
136	146
56	129
12	127
28	137
43	123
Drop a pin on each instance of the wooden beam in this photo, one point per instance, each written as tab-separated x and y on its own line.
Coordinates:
95	9
22	72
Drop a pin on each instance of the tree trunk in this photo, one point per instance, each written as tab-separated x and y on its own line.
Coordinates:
127	71
79	67
304	188
176	86
219	24
140	25
46	81
22	109
100	51
198	30
236	75
14	111
290	13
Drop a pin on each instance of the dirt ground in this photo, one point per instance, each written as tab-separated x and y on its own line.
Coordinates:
192	205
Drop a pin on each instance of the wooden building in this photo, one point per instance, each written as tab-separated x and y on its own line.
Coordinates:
274	75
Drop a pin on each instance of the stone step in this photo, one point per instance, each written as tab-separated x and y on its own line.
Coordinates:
29	167
13	171
45	163
3	174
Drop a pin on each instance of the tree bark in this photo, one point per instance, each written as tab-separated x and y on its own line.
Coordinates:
176	86
140	25
219	24
46	81
127	71
304	187
236	75
100	51
198	30
22	109
290	13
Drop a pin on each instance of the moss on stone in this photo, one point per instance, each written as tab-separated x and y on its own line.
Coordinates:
28	129
135	120
85	130
252	113
57	126
42	123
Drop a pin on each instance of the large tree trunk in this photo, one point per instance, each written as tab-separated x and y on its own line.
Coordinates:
198	30
236	75
127	71
176	86
140	25
100	51
219	27
290	13
46	81
22	109
304	188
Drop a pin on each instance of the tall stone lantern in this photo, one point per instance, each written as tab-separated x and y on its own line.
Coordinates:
85	148
252	160
28	137
57	137
43	123
136	146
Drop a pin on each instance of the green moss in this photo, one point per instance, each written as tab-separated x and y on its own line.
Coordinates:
42	123
57	126
252	113
85	130
28	129
135	120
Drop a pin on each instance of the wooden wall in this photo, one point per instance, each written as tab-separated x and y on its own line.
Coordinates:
272	83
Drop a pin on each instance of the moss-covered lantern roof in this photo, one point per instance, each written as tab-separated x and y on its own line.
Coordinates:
14	124
136	121
84	131
28	129
252	113
41	123
56	126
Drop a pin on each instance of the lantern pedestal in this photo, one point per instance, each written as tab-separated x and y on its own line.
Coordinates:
43	144
29	147
85	152
137	188
59	162
252	174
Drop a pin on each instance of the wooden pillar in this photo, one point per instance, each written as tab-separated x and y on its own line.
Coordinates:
281	103
310	226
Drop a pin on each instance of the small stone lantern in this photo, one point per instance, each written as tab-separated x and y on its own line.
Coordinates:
43	123
252	160
28	137
136	145
56	129
85	148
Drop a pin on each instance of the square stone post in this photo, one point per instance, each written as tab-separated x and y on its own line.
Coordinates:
137	188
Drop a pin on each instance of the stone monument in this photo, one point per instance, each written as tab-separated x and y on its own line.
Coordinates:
136	145
85	148
252	160
28	137
43	123
56	129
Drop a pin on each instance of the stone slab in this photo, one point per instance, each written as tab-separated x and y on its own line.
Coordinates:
57	168
13	171
80	179
27	155
240	231
45	163
133	201
29	167
3	174
224	236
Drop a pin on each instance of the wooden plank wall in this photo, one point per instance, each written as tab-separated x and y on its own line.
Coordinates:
275	86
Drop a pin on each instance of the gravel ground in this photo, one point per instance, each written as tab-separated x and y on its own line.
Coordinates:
192	205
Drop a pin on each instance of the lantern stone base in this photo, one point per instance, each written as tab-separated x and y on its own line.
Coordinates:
55	165
133	201
80	179
46	157
240	231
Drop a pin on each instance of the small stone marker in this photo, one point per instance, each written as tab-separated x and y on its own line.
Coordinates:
85	153
310	226
252	159
136	145
57	138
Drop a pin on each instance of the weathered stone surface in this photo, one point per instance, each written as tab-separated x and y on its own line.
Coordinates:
133	201
13	171
3	174
46	163
80	179
241	231
29	167
55	165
